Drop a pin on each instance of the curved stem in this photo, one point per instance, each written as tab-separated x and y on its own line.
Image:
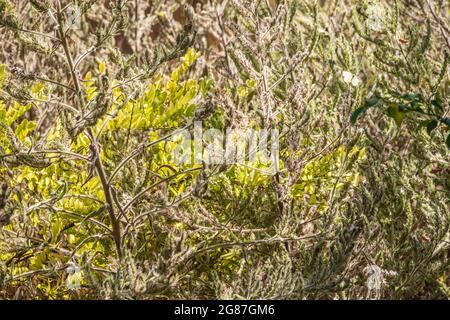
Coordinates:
94	146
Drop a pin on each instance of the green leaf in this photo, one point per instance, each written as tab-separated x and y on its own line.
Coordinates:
372	102
437	104
3	74
56	229
411	96
431	126
24	129
448	141
395	113
102	67
355	114
403	108
446	121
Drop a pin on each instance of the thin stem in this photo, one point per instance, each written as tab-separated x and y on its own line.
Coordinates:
142	192
137	151
95	148
55	82
256	242
69	59
84	55
67	153
39	34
